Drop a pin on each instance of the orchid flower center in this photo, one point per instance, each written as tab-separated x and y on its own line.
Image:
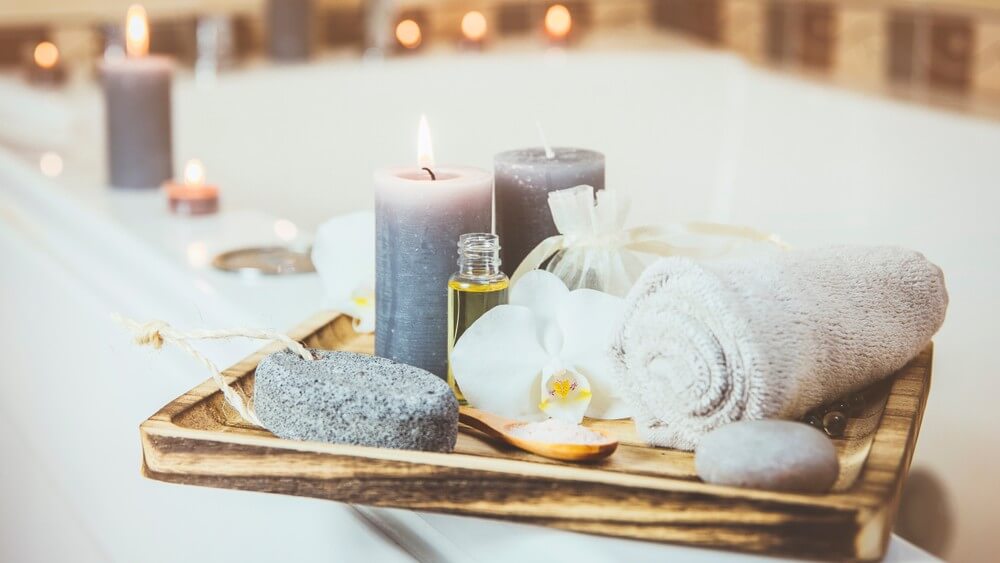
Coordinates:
565	394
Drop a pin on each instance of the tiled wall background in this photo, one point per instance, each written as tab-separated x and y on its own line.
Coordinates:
939	52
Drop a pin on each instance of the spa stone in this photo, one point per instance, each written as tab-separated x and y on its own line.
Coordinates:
775	455
350	398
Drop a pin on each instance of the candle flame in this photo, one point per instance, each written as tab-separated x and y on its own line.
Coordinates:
408	34
425	149
194	173
46	54
474	26
558	21
136	31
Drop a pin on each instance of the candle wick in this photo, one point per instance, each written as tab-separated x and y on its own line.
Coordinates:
549	153
431	172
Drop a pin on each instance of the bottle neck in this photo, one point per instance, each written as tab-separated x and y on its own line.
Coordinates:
479	256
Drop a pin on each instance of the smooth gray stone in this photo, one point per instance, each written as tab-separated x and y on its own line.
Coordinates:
349	398
776	455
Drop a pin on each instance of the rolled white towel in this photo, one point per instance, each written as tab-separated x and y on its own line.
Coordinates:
703	344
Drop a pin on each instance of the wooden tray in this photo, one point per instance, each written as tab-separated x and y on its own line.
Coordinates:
639	492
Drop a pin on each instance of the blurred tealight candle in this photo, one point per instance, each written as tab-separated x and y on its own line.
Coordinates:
44	68
474	29
558	23
408	34
192	196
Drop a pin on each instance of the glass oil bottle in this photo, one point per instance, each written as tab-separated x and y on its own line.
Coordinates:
475	288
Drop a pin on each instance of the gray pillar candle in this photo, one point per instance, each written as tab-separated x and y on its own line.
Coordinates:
417	224
290	28
523	179
137	107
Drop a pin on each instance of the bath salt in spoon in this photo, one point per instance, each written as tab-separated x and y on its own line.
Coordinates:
552	438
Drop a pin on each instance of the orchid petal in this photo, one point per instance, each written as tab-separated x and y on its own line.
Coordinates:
565	395
498	361
344	256
543	293
588	320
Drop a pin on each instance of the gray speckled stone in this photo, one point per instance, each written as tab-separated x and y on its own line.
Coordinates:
776	455
349	398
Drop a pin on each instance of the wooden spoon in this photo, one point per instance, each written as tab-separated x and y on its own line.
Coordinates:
499	428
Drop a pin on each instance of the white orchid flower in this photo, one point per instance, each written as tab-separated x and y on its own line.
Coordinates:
344	256
544	354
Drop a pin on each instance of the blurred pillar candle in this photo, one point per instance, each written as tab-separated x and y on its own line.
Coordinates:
137	107
289	29
523	180
420	212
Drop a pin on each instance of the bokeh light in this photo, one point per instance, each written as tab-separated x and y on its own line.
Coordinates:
408	34
474	26
558	21
51	164
46	54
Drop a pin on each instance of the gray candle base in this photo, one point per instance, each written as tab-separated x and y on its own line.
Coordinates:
138	116
523	180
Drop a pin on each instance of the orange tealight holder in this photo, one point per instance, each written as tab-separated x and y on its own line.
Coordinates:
192	196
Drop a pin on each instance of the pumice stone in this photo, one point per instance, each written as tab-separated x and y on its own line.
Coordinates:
776	455
350	398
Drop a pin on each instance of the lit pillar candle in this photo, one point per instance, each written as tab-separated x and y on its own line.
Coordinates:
523	180
420	212
137	106
192	196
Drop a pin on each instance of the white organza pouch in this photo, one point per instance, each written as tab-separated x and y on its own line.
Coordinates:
594	250
593	255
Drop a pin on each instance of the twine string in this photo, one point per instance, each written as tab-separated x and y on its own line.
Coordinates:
157	333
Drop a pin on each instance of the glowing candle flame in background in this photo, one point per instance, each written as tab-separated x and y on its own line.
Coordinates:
136	31
558	21
194	173
425	149
285	230
474	26
408	34
51	164
46	55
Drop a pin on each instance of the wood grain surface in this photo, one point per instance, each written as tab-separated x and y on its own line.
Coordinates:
639	492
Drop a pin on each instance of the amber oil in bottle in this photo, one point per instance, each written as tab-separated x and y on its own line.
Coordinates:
475	288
